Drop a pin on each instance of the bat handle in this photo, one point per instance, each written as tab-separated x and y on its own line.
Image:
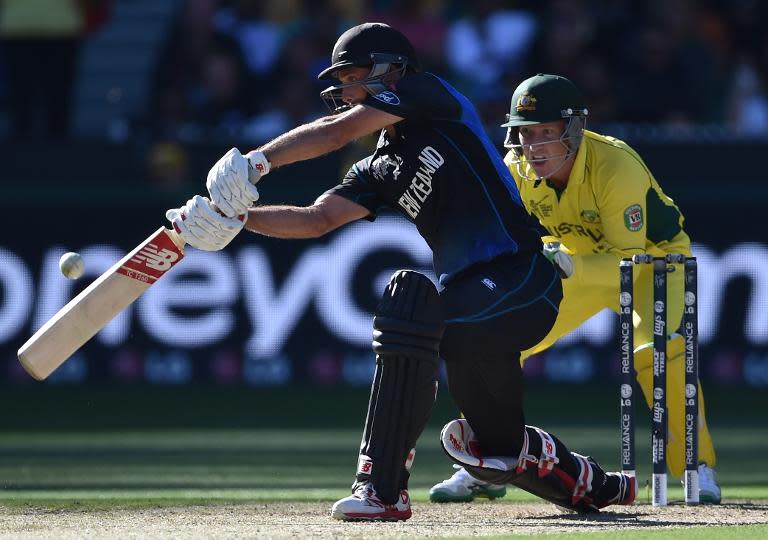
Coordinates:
176	238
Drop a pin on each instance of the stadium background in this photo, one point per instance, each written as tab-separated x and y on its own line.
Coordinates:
113	117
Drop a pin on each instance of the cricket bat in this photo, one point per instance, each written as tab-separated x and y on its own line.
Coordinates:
100	302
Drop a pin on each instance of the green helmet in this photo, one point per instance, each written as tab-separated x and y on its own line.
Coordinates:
546	98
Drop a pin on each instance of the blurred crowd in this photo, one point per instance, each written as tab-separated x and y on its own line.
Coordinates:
247	69
40	42
249	66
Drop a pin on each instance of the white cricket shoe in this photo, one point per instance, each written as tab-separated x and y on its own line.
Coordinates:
709	490
365	505
463	487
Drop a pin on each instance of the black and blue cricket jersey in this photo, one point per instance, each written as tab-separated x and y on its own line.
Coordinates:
442	172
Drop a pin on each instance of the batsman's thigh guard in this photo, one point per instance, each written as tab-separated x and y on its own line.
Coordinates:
544	467
407	329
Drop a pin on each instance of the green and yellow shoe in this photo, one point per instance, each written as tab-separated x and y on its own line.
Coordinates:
461	487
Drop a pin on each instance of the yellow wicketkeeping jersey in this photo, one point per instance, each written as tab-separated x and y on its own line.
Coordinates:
612	207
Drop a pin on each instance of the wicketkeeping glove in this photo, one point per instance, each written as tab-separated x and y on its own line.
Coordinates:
562	260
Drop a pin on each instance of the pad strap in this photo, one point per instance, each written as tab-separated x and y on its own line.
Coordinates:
365	464
572	488
548	458
525	458
584	481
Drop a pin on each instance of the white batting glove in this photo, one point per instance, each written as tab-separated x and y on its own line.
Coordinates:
203	227
231	181
562	260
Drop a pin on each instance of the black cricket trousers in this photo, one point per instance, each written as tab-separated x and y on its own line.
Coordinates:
493	312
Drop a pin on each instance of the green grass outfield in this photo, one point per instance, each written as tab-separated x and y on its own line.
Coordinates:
202	466
95	448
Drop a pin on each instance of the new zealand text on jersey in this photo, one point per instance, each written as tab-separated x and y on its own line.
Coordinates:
421	185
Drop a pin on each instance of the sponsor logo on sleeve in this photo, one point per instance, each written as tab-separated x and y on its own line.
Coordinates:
633	217
388	97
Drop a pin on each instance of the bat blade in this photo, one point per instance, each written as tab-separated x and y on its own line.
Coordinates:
100	302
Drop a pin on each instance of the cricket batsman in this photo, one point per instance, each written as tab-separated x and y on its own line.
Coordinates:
599	203
498	293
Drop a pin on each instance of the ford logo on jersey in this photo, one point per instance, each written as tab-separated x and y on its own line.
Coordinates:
388	97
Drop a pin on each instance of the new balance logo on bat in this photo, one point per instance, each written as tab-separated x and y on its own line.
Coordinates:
156	258
152	260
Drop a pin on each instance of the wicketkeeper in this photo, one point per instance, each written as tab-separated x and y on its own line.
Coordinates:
599	203
497	294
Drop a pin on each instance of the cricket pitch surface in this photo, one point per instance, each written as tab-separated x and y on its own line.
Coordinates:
311	520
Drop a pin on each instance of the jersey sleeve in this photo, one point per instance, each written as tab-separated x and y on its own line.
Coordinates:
357	186
416	96
620	189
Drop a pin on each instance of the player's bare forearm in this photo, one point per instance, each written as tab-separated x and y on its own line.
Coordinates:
325	135
327	213
304	142
286	221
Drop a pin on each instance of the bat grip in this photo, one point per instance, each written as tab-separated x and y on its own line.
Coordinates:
176	238
179	241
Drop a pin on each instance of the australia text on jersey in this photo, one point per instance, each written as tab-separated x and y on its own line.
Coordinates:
564	228
421	185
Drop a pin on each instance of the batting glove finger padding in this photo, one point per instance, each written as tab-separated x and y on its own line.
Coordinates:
202	227
190	235
230	183
225	203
